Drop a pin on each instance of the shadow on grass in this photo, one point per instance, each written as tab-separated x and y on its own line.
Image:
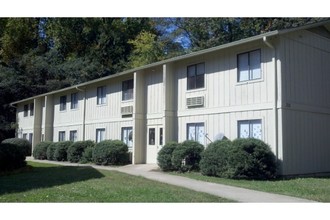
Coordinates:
44	177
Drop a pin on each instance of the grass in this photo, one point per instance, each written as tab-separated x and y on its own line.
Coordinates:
317	189
52	183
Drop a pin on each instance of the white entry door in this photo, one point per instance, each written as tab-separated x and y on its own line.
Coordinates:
154	142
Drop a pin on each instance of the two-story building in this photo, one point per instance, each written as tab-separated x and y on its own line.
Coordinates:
274	87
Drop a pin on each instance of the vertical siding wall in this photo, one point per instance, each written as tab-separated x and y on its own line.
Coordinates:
69	119
108	115
25	123
227	101
306	102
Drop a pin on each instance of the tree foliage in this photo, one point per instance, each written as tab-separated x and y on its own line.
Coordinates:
38	55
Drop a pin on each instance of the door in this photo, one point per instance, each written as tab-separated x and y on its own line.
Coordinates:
154	142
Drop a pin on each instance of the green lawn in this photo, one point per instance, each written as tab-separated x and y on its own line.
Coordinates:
317	189
51	183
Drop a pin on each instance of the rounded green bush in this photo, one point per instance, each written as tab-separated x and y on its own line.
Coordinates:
164	157
50	151
251	159
11	157
187	155
76	150
40	150
110	152
214	160
60	153
23	144
87	155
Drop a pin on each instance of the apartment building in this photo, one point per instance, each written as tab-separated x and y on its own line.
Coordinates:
274	87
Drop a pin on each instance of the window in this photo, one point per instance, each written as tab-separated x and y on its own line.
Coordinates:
195	132
74	100
26	110
195	76
100	134
73	135
151	136
25	136
250	129
63	103
127	136
31	109
127	90
249	66
61	136
160	136
30	137
101	95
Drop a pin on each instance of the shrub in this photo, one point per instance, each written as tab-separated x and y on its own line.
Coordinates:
214	160
23	144
164	157
77	149
40	150
186	156
11	157
87	155
50	151
60	153
112	152
251	159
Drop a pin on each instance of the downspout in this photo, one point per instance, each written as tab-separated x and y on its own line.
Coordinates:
265	40
84	111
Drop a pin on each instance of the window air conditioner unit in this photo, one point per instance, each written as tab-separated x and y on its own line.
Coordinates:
127	110
195	101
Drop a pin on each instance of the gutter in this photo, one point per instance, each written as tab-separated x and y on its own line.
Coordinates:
265	40
84	111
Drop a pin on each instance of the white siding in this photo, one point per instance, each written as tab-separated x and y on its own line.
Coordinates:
306	103
226	123
305	142
154	92
26	124
69	116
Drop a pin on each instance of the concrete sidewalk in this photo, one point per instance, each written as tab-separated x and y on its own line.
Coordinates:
150	171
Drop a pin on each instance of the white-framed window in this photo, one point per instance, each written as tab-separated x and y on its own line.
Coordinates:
195	76
30	137
74	100
26	110
73	135
127	89
196	132
101	95
152	136
100	135
250	129
31	109
63	103
127	136
61	136
249	65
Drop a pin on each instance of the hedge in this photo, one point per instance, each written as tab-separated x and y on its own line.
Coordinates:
60	153
50	151
76	150
164	158
251	159
40	150
215	159
187	155
23	144
87	155
110	152
11	157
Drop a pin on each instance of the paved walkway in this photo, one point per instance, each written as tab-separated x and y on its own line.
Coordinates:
150	171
